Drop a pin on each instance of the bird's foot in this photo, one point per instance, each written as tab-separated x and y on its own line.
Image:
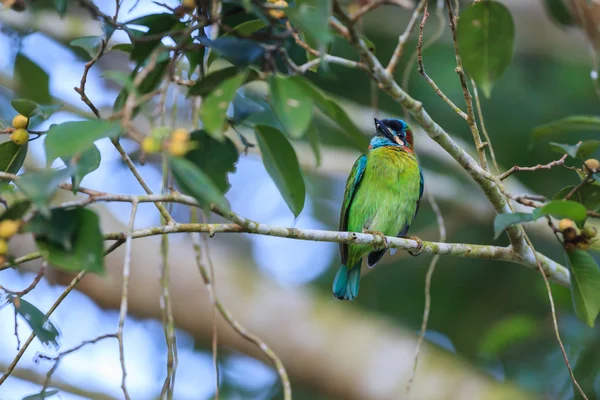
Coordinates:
380	235
419	248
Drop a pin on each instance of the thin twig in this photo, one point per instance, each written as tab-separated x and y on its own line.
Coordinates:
402	39
428	277
516	168
32	285
585	180
488	141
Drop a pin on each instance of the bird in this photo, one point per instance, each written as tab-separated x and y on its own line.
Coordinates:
382	197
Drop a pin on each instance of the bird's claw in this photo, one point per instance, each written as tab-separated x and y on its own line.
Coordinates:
380	235
419	248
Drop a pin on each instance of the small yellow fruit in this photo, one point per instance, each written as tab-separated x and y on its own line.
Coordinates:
589	231
180	135
9	228
178	149
3	246
565	224
277	14
189	3
151	145
20	136
20	122
591	165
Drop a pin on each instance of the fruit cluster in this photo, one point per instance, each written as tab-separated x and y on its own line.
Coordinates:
20	135
278	13
8	228
573	238
178	143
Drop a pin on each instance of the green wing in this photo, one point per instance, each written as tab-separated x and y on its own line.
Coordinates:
351	185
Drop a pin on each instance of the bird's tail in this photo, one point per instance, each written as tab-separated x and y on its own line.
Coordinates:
347	282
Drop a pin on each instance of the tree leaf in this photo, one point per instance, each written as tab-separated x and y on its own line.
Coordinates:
87	251
486	42
311	17
43	394
559	12
507	332
215	158
61	7
89	161
40	186
90	44
57	229
32	81
337	114
572	123
564	209
12	157
44	329
292	105
24	107
211	81
149	83
213	111
313	138
580	150
194	182
35	112
585	285
588	195
281	163
503	221
239	52
70	138
156	24
16	211
587	370
244	29
243	107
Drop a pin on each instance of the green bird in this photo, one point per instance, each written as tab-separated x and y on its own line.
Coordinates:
382	197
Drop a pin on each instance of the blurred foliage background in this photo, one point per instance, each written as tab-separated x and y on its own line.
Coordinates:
493	315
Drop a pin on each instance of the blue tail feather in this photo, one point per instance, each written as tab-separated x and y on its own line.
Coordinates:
347	282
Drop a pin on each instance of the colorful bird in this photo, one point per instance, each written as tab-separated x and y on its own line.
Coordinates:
382	197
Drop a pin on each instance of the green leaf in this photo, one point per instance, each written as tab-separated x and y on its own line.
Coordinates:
213	111
215	158
585	285
563	209
508	332
70	138
239	52
43	394
580	150
313	138
572	123
35	112
244	107
87	248
89	161
196	183
12	157
503	221
32	81
157	24
337	114
281	163
149	83
486	42
246	28
311	17
587	370
90	44
16	211
292	105
61	7
211	81
40	186
124	47
58	229
559	12
24	107
588	195
37	321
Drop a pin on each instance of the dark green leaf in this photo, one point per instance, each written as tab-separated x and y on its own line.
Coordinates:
89	161
91	44
70	138
39	323
46	393
564	209
213	111
281	163
207	84
87	246
580	150
24	107
559	12
16	211
149	83
337	114
194	182
12	157
244	29
157	24
572	123
124	47
486	42
311	17
195	58
585	285
42	113
61	7
32	81
313	137
215	158
39	186
588	195
503	221
508	332
587	370
243	107
58	229
239	52
292	105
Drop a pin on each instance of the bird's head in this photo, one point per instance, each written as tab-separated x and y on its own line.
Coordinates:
392	132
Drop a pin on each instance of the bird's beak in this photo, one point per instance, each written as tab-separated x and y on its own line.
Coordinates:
398	140
383	129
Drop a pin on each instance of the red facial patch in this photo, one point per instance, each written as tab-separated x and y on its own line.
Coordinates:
409	138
